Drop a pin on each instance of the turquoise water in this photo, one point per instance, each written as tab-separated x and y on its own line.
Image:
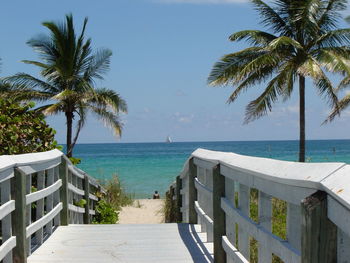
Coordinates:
146	167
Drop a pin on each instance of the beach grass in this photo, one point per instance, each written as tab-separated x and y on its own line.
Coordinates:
116	194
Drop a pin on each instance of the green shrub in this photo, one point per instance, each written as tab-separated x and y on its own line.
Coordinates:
23	130
105	213
169	209
116	195
111	202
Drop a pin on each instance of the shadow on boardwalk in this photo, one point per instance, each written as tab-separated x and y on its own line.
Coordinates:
200	250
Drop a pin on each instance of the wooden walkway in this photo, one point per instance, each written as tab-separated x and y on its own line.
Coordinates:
156	243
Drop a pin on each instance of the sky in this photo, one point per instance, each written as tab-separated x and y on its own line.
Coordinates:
163	51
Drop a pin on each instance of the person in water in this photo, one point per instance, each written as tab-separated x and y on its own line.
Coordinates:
156	195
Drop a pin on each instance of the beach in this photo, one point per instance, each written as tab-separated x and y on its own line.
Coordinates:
143	211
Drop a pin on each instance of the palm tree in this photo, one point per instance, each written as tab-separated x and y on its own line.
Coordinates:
69	70
303	42
344	102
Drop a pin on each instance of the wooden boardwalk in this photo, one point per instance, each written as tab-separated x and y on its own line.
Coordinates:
156	243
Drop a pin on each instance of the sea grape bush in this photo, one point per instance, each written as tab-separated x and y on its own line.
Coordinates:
105	213
23	130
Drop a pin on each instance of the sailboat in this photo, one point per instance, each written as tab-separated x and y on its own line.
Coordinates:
168	139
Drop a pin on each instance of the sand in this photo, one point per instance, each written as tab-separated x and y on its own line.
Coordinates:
143	211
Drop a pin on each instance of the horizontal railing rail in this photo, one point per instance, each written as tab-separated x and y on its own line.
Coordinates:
216	189
39	192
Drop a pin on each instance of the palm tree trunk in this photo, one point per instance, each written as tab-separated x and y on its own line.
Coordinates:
69	117
302	118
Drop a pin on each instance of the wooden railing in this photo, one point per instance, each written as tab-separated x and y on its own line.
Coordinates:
30	214
214	190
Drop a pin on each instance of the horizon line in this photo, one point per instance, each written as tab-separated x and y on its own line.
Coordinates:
209	141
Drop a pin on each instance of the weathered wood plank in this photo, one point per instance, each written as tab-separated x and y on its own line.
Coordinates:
343	245
40	194
32	228
29	210
192	192
294	225
233	252
39	205
49	199
6	208
87	199
265	216
6	250
243	205
63	171
230	223
56	194
171	243
178	199
319	234
19	218
278	246
219	223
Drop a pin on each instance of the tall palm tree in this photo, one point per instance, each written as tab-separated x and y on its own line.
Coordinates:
345	101
303	42
69	70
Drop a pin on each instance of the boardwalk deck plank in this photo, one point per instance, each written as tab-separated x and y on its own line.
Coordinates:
125	243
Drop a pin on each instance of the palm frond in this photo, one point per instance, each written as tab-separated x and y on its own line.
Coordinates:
51	109
331	14
311	68
334	59
271	18
338	108
109	119
283	43
106	98
333	38
278	86
224	71
98	65
30	82
254	37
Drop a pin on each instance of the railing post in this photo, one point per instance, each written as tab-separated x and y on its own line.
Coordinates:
319	234
64	192
192	192
178	199
87	199
219	219
19	217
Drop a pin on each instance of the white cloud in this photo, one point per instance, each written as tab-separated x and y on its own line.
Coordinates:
202	1
183	118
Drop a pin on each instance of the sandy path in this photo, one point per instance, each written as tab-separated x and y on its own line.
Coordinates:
143	211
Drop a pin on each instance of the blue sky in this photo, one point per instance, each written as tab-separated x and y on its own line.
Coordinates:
163	51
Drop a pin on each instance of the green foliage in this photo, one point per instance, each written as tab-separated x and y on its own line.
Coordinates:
74	160
116	195
169	209
69	70
105	213
81	203
111	202
23	130
303	41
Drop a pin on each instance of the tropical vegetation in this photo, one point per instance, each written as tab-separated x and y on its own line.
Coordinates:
345	101
23	130
69	70
111	202
303	41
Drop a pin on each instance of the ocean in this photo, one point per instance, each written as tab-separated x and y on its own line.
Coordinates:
146	167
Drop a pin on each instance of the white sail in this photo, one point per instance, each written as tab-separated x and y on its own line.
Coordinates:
168	139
